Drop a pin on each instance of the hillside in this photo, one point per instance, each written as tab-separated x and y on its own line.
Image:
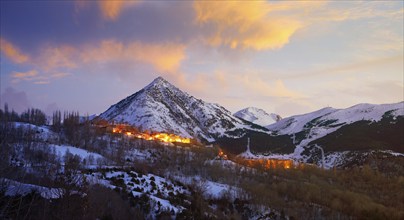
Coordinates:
120	177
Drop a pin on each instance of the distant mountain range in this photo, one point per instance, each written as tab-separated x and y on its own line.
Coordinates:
162	107
257	116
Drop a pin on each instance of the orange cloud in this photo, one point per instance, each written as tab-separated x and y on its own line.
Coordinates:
57	57
24	75
258	86
262	25
31	75
246	25
12	52
163	56
104	51
112	9
35	77
249	84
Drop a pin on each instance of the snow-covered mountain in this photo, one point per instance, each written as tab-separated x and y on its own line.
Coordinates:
257	116
328	119
363	127
162	107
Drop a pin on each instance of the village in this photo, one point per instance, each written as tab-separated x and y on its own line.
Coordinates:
131	131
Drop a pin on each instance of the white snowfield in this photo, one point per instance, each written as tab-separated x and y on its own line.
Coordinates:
45	134
63	149
257	116
83	154
42	132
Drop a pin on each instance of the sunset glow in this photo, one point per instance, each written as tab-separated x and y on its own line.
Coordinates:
285	57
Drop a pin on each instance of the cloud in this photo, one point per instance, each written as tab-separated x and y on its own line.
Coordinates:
221	78
292	107
382	40
163	56
236	91
223	83
42	82
35	77
25	76
367	90
247	25
51	58
47	61
31	75
17	101
392	91
337	11
12	52
365	65
52	62
110	9
255	84
263	25
348	91
59	75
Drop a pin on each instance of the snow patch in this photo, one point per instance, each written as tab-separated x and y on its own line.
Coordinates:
15	188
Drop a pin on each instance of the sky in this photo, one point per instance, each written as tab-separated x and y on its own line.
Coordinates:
285	57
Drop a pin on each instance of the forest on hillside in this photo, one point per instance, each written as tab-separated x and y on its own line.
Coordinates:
68	168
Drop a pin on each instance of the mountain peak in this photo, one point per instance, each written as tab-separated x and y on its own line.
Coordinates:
254	109
162	107
257	116
159	81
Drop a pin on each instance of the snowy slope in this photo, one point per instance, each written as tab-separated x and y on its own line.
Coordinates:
296	123
14	188
83	154
309	127
257	116
159	189
330	118
162	107
210	189
41	132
